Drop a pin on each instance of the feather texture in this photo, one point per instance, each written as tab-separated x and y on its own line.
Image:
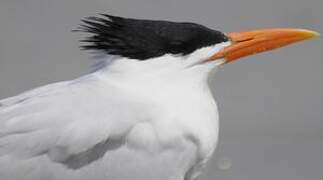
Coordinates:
131	119
144	39
98	127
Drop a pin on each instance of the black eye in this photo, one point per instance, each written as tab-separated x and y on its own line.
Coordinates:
191	37
176	43
222	37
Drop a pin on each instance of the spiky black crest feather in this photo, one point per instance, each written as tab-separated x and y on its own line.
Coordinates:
143	39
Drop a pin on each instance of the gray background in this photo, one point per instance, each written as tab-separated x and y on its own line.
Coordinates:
271	105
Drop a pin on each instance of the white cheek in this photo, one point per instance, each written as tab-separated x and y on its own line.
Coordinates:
202	54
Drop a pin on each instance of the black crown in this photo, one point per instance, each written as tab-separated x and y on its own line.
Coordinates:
144	39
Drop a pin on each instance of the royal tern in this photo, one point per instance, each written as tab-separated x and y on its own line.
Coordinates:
146	113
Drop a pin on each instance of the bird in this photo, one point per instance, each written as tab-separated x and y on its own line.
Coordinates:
146	111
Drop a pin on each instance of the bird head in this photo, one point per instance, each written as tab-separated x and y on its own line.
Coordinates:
189	43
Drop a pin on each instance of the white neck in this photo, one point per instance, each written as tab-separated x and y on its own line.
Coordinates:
190	69
164	84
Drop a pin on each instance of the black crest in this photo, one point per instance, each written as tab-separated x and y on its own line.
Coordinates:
143	39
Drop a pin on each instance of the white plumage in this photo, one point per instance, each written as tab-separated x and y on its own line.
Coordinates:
153	119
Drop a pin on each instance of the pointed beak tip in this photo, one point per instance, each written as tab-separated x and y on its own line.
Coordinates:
316	34
311	34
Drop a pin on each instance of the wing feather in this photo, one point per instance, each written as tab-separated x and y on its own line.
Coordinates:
63	119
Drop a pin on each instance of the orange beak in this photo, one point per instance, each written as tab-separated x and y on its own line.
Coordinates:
254	42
